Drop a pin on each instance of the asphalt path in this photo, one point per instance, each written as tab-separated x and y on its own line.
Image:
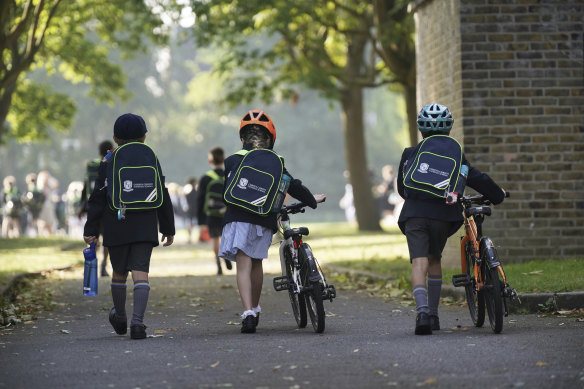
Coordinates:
195	342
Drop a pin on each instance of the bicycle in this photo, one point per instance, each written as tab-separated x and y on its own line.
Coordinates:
301	276
482	275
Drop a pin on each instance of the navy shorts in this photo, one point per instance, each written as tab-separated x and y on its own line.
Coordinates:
133	256
426	236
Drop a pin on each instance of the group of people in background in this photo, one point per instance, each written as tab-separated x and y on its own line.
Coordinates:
40	210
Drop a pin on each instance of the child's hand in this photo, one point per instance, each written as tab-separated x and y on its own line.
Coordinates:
90	239
169	239
320	198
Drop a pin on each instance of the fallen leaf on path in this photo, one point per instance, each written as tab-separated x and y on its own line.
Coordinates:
533	273
540	363
215	364
159	332
431	380
232	323
65	331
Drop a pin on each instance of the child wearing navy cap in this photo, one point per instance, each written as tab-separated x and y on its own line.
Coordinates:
130	242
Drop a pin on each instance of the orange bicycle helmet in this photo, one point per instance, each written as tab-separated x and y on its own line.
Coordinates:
256	116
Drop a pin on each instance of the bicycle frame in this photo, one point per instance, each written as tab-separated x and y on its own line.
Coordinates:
473	235
292	243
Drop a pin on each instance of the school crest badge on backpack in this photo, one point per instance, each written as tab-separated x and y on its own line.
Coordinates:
134	179
433	169
256	183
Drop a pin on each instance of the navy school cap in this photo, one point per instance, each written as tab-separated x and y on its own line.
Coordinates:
129	126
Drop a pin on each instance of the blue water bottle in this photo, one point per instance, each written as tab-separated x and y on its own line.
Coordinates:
90	273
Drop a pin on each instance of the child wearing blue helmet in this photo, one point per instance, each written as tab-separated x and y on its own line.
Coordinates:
428	221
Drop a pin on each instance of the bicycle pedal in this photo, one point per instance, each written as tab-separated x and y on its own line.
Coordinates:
280	283
330	293
461	280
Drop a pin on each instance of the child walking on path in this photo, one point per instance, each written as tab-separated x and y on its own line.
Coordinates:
210	203
428	222
247	236
131	239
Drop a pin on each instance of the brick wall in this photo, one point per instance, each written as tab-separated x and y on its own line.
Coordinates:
519	109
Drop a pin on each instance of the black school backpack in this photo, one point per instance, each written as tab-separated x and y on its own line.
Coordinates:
91	174
214	204
433	169
256	182
134	178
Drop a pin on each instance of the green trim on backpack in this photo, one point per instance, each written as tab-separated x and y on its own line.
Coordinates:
259	205
152	200
435	189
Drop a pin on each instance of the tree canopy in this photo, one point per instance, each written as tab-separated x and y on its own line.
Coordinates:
336	47
73	38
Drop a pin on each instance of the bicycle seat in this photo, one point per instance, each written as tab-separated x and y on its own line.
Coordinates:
295	231
473	211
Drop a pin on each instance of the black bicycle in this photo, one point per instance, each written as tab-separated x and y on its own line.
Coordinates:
301	276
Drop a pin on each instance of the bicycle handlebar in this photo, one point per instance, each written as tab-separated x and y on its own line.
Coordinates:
297	207
479	199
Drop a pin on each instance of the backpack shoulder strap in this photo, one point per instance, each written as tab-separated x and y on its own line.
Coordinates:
213	174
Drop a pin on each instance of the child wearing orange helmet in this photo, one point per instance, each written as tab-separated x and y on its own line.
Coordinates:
247	236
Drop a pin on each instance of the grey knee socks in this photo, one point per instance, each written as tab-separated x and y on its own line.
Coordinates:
434	289
141	292
421	298
118	288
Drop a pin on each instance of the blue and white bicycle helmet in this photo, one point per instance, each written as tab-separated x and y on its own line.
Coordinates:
435	117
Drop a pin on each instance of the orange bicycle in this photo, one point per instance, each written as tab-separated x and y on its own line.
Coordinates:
482	275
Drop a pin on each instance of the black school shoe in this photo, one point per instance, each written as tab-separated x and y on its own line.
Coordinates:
257	319
248	325
137	331
435	322
120	326
423	325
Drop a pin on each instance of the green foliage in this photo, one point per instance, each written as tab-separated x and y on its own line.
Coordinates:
73	39
50	109
270	47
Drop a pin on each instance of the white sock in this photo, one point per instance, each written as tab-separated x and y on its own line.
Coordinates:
247	313
257	309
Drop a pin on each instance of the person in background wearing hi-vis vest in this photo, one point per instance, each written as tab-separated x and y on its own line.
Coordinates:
210	204
91	172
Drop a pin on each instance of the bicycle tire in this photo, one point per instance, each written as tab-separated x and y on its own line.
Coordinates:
315	306
298	303
475	299
314	288
494	299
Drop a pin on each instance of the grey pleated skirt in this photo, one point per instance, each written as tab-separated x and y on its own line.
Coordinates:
252	239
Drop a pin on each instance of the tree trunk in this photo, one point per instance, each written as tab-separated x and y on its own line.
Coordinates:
412	111
5	102
356	159
354	134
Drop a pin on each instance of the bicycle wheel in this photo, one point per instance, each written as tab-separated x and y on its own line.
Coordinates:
297	301
474	299
493	298
315	306
315	287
